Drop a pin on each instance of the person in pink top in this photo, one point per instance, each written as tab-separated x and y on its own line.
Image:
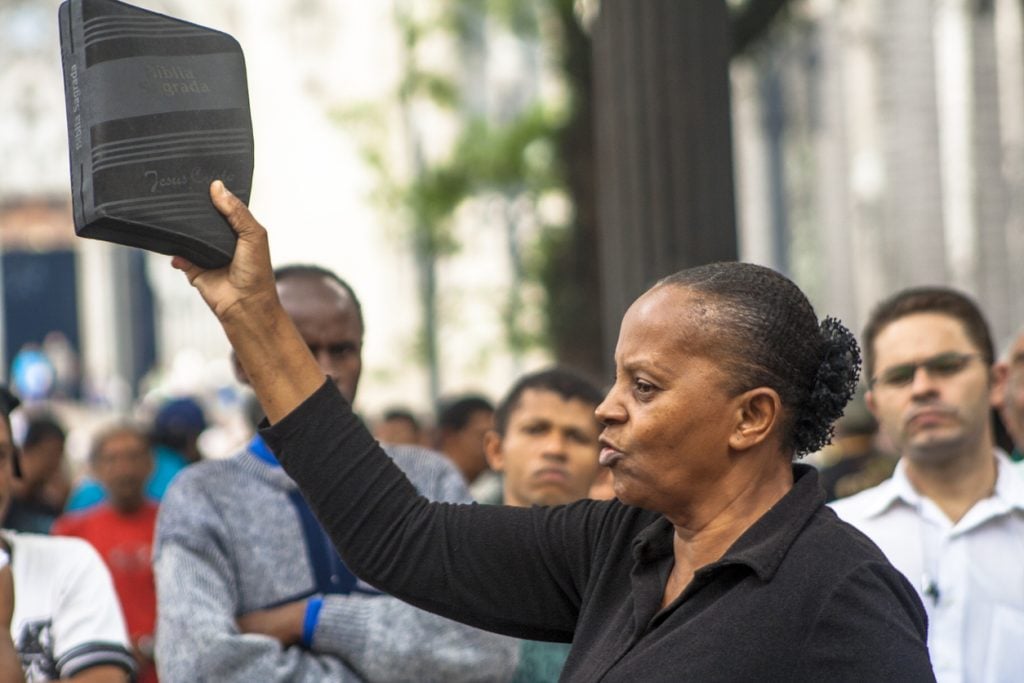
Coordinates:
121	529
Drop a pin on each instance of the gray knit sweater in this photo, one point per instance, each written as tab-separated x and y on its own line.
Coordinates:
229	541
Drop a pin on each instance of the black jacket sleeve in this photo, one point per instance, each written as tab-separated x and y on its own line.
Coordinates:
515	571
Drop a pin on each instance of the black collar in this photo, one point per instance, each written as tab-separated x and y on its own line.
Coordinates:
764	544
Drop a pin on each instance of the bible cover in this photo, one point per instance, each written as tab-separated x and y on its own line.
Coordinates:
157	109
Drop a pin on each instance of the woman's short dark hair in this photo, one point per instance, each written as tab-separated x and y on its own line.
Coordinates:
941	300
769	335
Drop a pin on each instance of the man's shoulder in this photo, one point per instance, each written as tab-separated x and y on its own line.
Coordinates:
200	495
419	460
433	475
55	550
865	504
73	523
204	475
839	542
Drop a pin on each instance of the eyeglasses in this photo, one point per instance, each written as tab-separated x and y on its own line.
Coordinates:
942	365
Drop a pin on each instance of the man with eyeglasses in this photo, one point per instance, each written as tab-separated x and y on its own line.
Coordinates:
951	518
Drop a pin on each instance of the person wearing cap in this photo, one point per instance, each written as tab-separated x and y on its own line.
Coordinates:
175	435
59	613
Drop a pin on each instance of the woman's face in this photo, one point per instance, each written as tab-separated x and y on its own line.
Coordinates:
668	417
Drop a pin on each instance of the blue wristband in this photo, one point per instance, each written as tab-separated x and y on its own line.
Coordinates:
312	616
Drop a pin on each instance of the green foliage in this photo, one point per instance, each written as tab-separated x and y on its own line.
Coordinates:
435	87
521	17
517	158
432	198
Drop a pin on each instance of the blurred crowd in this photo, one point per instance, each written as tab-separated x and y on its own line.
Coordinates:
215	569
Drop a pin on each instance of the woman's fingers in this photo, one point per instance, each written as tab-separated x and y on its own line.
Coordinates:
234	210
191	270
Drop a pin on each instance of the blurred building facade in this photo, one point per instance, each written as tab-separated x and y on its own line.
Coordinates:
133	322
880	145
876	144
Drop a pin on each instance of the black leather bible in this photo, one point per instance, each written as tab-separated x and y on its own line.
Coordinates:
157	109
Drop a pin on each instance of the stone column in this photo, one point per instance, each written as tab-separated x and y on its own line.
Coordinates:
664	152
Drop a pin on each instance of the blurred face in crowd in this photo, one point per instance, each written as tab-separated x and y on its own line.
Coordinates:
42	461
7	454
465	447
1009	394
932	391
549	450
122	463
327	318
397	430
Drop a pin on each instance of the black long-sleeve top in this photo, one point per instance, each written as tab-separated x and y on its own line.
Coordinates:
800	596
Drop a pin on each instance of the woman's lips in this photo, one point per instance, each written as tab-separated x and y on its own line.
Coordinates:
609	456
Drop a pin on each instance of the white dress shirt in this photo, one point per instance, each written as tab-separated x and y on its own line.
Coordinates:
970	575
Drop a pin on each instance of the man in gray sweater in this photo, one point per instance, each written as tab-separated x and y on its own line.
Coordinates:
249	587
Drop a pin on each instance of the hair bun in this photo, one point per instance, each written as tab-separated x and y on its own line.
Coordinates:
834	383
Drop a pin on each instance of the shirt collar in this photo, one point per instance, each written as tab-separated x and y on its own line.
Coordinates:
1009	488
1009	482
763	546
259	448
900	489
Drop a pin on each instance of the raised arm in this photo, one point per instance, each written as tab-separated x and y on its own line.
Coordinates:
242	295
516	571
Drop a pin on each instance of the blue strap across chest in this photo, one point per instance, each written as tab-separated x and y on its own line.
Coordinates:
329	572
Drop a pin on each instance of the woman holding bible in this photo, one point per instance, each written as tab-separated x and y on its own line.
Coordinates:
718	561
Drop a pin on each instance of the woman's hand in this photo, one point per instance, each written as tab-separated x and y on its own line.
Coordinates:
247	283
243	296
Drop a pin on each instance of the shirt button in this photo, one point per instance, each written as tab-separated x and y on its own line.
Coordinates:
335	579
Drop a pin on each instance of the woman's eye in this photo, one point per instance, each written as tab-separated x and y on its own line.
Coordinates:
643	388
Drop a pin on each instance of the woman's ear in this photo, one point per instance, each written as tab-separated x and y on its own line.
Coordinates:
757	414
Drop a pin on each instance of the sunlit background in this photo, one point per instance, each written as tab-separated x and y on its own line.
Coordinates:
424	150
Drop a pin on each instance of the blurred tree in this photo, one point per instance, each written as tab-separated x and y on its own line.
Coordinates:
520	153
516	154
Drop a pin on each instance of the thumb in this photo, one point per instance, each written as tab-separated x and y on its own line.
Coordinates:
234	210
